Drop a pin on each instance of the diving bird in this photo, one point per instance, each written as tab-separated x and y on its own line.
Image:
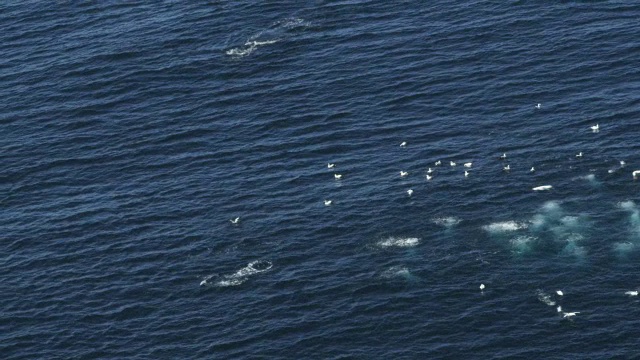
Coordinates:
403	144
579	155
482	286
235	221
559	292
337	176
466	173
328	202
409	192
468	165
438	163
595	128
452	163
330	165
503	156
570	314
532	169
404	173
429	171
632	293
559	309
538	106
429	177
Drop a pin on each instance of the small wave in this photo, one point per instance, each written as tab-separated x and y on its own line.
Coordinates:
396	271
545	298
505	226
399	242
239	276
447	221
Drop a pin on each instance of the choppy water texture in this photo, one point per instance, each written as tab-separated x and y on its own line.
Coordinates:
132	133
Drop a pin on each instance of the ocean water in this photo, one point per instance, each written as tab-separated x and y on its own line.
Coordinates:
132	133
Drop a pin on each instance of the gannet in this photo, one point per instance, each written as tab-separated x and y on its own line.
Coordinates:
429	171
403	144
328	202
330	165
429	177
570	314
438	163
532	169
538	106
466	173
579	155
622	163
595	127
452	163
468	164
503	156
506	168
409	192
559	292
481	286
235	221
404	173
337	176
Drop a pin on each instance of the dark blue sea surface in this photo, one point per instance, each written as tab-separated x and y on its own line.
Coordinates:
132	133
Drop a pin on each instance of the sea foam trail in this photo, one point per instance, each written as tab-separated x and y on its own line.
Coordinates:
239	277
505	226
399	242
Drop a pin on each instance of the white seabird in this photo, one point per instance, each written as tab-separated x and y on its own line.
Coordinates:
532	169
466	173
452	163
622	163
404	173
595	127
403	144
632	293
542	188
559	292
538	106
429	177
429	171
330	165
579	155
438	163
468	165
235	221
503	156
506	168
328	202
559	309
570	314
337	176
410	191
482	286
203	282
635	174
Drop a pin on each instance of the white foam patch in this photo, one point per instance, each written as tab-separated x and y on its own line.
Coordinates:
623	248
545	298
447	221
238	277
505	226
399	242
249	47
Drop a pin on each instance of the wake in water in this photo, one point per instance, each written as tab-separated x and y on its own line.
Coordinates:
278	31
239	277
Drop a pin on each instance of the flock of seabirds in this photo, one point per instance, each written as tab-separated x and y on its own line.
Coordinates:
429	175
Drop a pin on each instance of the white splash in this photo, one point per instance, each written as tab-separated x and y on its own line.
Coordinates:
505	226
545	298
449	221
396	271
399	242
